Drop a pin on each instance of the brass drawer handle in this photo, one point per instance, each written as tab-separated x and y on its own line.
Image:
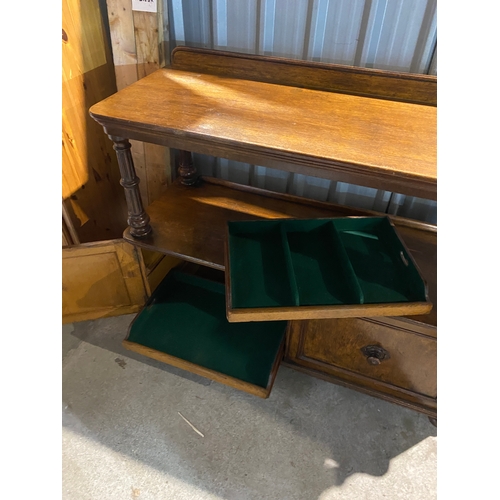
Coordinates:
375	354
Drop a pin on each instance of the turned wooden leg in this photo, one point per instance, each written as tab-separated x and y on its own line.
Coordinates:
138	219
187	170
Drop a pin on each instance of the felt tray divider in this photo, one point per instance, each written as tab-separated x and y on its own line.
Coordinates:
354	288
289	265
268	241
395	247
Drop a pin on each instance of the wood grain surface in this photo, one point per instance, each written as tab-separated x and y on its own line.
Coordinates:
222	378
404	87
137	45
102	279
92	196
190	221
372	141
332	349
323	312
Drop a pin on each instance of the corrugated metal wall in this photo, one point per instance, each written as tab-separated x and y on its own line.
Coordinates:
397	35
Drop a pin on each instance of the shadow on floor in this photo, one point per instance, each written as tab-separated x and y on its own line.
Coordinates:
310	433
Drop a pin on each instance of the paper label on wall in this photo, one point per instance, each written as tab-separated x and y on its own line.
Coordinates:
145	5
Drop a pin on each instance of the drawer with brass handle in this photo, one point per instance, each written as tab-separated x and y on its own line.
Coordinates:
385	357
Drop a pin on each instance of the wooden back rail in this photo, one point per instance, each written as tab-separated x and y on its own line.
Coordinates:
368	127
380	84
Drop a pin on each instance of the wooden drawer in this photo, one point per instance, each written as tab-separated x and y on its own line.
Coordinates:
184	324
389	358
341	267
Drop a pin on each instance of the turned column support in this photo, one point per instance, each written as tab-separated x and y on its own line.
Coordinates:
187	170
138	219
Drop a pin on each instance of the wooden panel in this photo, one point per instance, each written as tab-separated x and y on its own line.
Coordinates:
147	41
66	241
334	348
90	176
150	259
157	266
102	279
163	44
322	312
404	87
164	265
136	42
418	245
158	168
207	373
70	237
84	46
121	25
327	132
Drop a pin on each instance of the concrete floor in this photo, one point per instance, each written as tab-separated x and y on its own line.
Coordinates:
123	438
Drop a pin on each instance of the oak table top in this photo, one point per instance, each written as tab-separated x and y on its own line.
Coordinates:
374	142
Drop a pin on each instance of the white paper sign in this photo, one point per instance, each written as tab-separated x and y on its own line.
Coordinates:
145	5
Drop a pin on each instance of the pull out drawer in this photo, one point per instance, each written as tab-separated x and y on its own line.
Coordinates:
184	324
340	267
389	356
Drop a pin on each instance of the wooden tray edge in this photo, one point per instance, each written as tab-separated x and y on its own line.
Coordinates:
199	370
327	312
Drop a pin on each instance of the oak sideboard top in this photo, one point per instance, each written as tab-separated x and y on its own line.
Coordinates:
369	141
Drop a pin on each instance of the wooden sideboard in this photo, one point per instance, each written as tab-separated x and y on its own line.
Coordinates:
368	127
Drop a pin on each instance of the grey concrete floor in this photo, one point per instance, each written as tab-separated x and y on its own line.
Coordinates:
123	438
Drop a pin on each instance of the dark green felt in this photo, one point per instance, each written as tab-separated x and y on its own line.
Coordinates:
374	251
186	318
322	271
294	289
320	262
259	263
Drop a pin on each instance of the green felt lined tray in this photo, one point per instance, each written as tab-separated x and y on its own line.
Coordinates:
320	268
184	324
